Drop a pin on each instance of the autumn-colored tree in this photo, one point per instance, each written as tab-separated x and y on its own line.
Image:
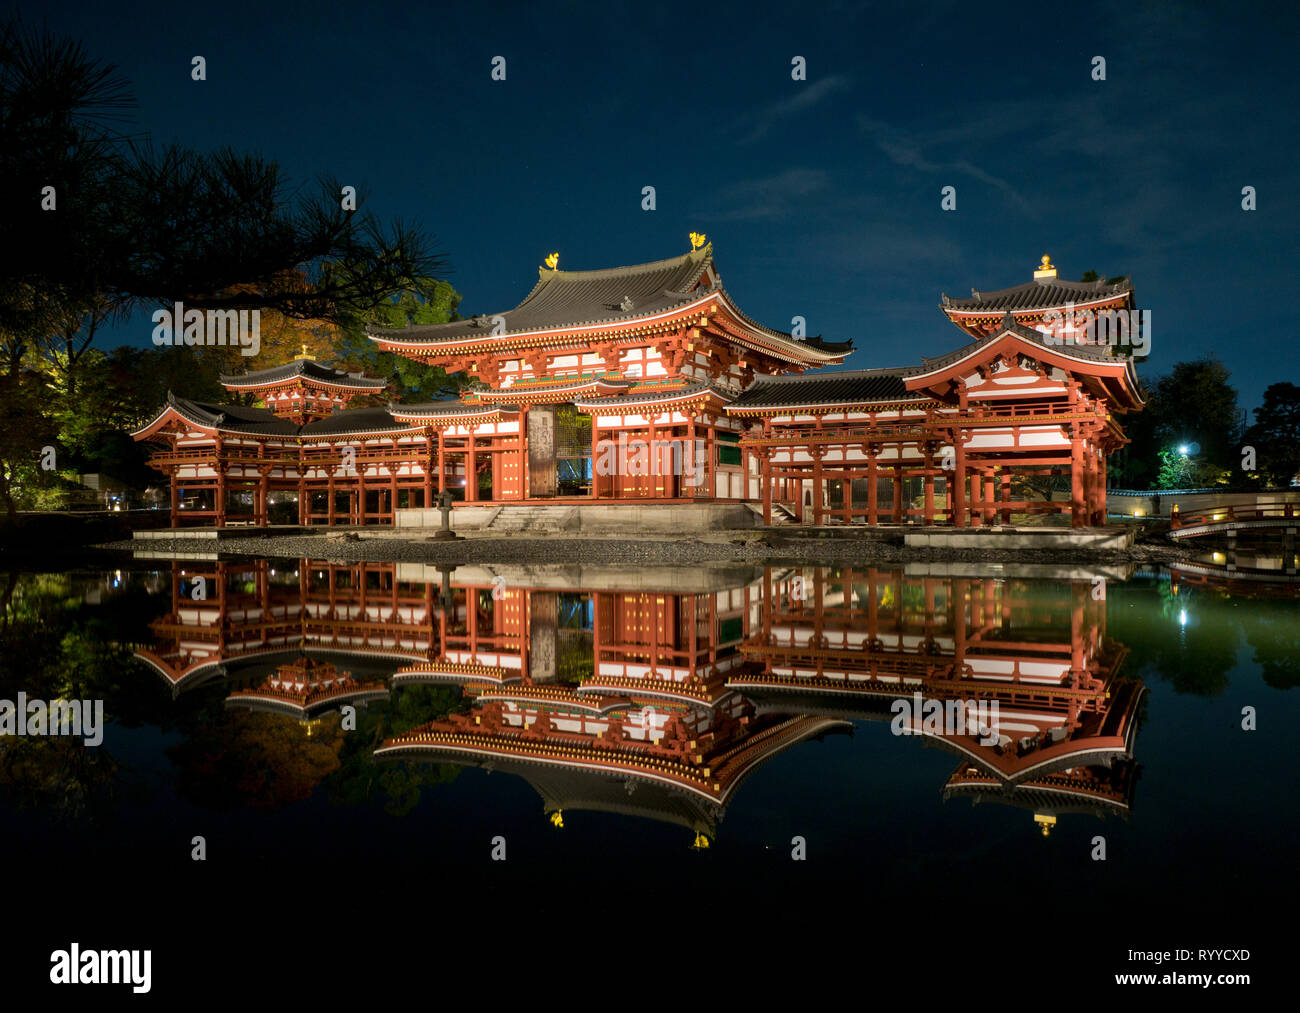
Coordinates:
263	761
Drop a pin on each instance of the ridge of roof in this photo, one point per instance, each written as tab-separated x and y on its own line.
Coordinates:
1034	293
1080	351
704	257
300	367
572	299
664	393
843	387
847	374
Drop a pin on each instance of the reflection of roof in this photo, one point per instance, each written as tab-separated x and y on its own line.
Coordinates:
571	789
849	387
306	368
1038	294
1102	739
714	779
1099	791
304	685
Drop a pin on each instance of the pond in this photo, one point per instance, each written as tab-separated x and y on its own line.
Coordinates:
1013	751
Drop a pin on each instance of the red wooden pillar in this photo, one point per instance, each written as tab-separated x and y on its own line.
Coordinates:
976	498
176	498
1006	496
1101	487
711	464
958	481
898	494
818	491
766	478
688	488
595	457
442	460
359	511
1076	480
427	468
220	494
471	469
873	479
929	487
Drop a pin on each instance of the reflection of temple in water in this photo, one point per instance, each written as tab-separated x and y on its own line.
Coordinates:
851	643
607	691
306	686
228	616
612	700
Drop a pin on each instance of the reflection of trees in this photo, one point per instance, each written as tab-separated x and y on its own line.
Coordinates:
54	645
1273	631
361	779
1195	657
247	758
57	774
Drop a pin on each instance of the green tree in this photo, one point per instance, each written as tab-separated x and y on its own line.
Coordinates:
27	428
1276	434
427	301
112	223
1193	403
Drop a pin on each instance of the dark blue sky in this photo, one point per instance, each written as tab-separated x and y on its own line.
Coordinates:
822	197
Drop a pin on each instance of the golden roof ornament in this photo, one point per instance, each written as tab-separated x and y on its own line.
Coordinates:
1045	821
552	260
304	354
697	240
1045	268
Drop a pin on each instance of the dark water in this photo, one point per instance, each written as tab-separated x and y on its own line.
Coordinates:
515	708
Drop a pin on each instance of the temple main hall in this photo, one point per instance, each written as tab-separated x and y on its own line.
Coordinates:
649	385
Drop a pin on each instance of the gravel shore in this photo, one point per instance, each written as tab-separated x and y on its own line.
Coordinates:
745	547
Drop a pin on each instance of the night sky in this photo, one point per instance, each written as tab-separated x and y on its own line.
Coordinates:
821	197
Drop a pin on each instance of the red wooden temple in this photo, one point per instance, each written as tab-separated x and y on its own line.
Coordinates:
648	384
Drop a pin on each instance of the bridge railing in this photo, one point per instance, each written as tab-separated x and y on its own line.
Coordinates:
1224	514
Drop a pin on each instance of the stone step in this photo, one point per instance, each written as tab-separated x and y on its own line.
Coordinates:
530	518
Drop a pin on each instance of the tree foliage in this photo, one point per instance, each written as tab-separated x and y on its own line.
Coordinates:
99	223
1276	434
1192	404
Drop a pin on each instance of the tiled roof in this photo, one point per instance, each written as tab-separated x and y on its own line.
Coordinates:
1037	294
1098	353
573	298
449	408
309	368
563	299
259	421
659	394
848	387
353	420
232	417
